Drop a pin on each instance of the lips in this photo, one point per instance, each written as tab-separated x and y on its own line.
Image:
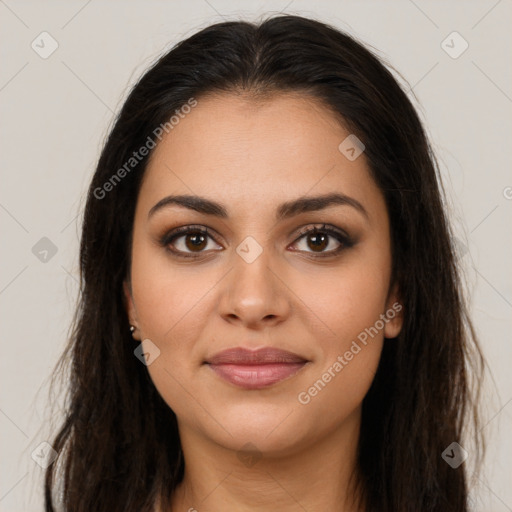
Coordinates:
267	355
255	369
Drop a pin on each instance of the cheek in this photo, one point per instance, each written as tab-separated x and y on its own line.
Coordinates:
350	302
169	297
347	300
172	307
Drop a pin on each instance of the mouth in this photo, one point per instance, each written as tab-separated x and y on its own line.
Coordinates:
258	369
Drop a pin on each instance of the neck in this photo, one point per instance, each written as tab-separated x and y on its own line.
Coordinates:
319	475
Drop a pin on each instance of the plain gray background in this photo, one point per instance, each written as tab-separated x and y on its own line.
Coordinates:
56	111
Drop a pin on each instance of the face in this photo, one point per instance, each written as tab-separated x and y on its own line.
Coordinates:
261	277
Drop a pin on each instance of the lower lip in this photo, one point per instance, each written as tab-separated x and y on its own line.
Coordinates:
256	376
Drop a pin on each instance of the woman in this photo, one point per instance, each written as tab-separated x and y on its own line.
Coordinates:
271	316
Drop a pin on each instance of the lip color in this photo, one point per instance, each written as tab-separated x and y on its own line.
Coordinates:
256	376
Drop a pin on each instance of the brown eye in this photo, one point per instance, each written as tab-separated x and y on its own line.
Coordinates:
188	241
324	241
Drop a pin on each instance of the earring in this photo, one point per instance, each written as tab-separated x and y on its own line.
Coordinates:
132	328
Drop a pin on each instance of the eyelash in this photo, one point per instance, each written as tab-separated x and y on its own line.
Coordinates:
344	240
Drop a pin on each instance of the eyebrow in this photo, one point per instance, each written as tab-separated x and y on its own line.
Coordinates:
284	211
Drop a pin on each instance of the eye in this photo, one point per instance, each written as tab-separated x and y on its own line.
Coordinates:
192	241
187	241
320	238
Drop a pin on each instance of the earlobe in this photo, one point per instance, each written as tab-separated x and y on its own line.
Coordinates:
394	314
130	307
395	320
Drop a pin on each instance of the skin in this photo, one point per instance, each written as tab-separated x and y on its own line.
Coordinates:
251	156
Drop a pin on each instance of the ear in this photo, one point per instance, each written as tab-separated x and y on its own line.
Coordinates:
394	313
130	308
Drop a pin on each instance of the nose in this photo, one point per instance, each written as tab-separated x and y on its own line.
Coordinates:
253	295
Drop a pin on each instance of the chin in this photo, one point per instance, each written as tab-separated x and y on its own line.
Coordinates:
272	430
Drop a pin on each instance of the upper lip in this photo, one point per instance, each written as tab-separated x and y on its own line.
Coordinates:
265	355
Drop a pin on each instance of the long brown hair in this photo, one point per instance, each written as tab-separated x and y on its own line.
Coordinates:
119	448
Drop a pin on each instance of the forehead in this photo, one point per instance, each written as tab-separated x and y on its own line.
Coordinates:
238	150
